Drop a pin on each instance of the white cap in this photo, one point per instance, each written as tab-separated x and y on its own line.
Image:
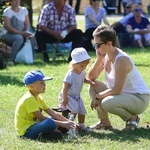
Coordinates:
79	55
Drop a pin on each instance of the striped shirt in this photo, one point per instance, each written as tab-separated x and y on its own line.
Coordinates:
49	17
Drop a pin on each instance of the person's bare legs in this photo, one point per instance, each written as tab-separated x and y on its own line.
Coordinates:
102	114
81	120
140	44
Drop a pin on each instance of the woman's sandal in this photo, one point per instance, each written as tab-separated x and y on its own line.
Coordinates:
132	125
100	126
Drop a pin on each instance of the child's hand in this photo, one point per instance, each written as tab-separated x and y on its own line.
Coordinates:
63	104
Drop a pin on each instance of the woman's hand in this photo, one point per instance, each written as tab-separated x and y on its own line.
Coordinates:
94	103
57	35
142	31
99	55
25	34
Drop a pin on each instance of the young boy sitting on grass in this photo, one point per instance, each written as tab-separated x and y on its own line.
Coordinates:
29	120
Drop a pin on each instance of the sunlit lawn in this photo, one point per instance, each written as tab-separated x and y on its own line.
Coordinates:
12	88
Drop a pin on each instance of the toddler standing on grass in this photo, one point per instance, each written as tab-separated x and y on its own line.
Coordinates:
70	98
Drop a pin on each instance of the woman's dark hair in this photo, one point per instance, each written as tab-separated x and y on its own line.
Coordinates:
105	33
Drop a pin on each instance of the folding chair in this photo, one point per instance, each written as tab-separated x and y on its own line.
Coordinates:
58	50
110	6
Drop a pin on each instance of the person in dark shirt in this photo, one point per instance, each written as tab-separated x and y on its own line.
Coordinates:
139	26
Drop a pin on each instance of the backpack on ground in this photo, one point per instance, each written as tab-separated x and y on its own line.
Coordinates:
2	62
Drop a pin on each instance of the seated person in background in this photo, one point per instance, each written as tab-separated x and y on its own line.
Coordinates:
125	2
30	122
120	26
94	14
16	22
110	6
139	26
57	22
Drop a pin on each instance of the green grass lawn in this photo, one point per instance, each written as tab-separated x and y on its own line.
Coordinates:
12	88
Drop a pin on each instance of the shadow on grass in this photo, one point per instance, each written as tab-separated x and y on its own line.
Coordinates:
53	59
51	63
60	60
11	77
118	135
113	135
6	79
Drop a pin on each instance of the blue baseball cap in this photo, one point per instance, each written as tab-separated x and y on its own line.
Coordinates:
33	76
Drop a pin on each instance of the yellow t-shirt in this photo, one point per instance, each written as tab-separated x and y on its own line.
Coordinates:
24	117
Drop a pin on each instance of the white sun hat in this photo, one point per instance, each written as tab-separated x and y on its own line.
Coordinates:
78	55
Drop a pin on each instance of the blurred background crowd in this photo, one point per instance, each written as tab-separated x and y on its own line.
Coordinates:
116	6
35	19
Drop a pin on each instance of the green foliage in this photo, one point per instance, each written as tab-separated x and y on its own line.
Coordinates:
12	88
3	4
